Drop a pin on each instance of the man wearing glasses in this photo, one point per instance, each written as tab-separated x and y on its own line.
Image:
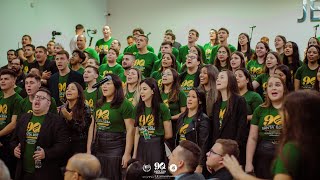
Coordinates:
40	136
215	158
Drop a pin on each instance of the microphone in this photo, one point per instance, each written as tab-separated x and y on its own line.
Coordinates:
93	31
107	78
316	25
253	27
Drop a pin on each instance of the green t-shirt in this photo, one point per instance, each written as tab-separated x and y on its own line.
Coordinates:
175	106
254	68
269	122
183	130
91	98
62	86
26	106
105	68
50	58
306	76
188	82
208	49
262	79
222	112
144	62
184	51
158	77
215	51
112	119
81	70
104	44
175	52
129	96
93	53
32	133
291	153
147	125
26	65
133	49
253	100
8	107
119	59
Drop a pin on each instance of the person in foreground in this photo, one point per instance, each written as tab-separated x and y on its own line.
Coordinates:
82	166
297	157
184	160
215	157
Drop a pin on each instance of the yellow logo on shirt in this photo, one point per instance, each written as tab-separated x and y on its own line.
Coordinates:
166	102
26	69
208	53
30	111
264	86
102	114
89	102
105	72
187	83
139	62
34	127
221	113
146	121
159	82
272	119
62	87
3	109
255	70
309	81
183	129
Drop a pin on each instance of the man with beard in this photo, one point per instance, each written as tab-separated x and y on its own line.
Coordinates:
11	54
127	63
17	66
40	136
76	59
32	85
29	50
9	111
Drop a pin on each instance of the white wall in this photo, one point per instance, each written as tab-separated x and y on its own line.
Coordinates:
271	17
18	18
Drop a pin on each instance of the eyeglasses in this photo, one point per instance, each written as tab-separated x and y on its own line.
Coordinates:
211	151
37	97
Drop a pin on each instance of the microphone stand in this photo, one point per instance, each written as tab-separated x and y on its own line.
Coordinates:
252	27
315	30
91	37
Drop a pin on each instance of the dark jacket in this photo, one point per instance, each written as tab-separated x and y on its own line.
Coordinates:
234	124
183	75
192	176
198	132
222	174
54	81
48	66
53	138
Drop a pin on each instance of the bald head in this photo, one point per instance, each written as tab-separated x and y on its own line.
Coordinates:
87	165
81	42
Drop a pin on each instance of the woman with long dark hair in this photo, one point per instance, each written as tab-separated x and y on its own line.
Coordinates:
132	87
78	117
208	76
266	125
222	60
256	65
272	61
244	46
168	61
291	57
174	98
153	124
284	72
230	112
193	124
113	130
253	99
237	61
306	74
